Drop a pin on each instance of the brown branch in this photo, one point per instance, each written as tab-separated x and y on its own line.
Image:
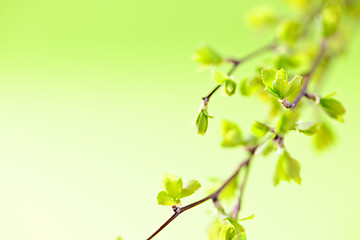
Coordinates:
303	92
237	208
214	196
236	63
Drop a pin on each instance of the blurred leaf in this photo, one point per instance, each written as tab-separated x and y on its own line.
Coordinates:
214	230
307	128
259	129
324	138
231	133
230	190
251	217
238	227
250	85
229	87
261	17
219	76
333	108
288	31
287	121
206	55
268	75
227	232
330	19
287	168
173	185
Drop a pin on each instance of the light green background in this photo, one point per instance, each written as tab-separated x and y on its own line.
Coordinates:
96	101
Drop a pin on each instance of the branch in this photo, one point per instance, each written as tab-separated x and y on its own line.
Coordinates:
214	196
236	63
237	208
303	92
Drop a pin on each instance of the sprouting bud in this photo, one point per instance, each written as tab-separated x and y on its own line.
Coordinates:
230	87
201	123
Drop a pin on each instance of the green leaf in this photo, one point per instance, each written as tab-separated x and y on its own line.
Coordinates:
307	128
173	186
288	31
259	129
231	133
229	87
325	137
206	55
249	86
214	230
229	191
261	17
163	198
295	85
238	227
240	236
330	19
251	217
219	76
227	232
333	108
287	168
287	121
268	75
191	187
174	190
201	123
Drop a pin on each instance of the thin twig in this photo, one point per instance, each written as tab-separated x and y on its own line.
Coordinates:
308	76
237	208
214	196
236	63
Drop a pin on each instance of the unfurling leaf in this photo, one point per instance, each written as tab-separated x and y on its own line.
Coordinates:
174	190
201	123
287	168
229	87
277	84
231	133
206	56
259	129
219	76
307	128
333	108
190	188
232	231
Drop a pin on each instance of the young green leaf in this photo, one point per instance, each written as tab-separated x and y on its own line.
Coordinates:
259	129
206	55
174	190
214	230
227	232
287	168
219	76
238	227
231	133
249	86
201	123
268	75
229	87
191	187
333	108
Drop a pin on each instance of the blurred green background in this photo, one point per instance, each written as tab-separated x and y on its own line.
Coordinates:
96	101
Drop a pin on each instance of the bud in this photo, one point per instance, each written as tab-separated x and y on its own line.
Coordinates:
230	87
201	122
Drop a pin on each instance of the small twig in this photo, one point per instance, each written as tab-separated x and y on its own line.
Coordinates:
214	196
236	63
237	208
308	76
